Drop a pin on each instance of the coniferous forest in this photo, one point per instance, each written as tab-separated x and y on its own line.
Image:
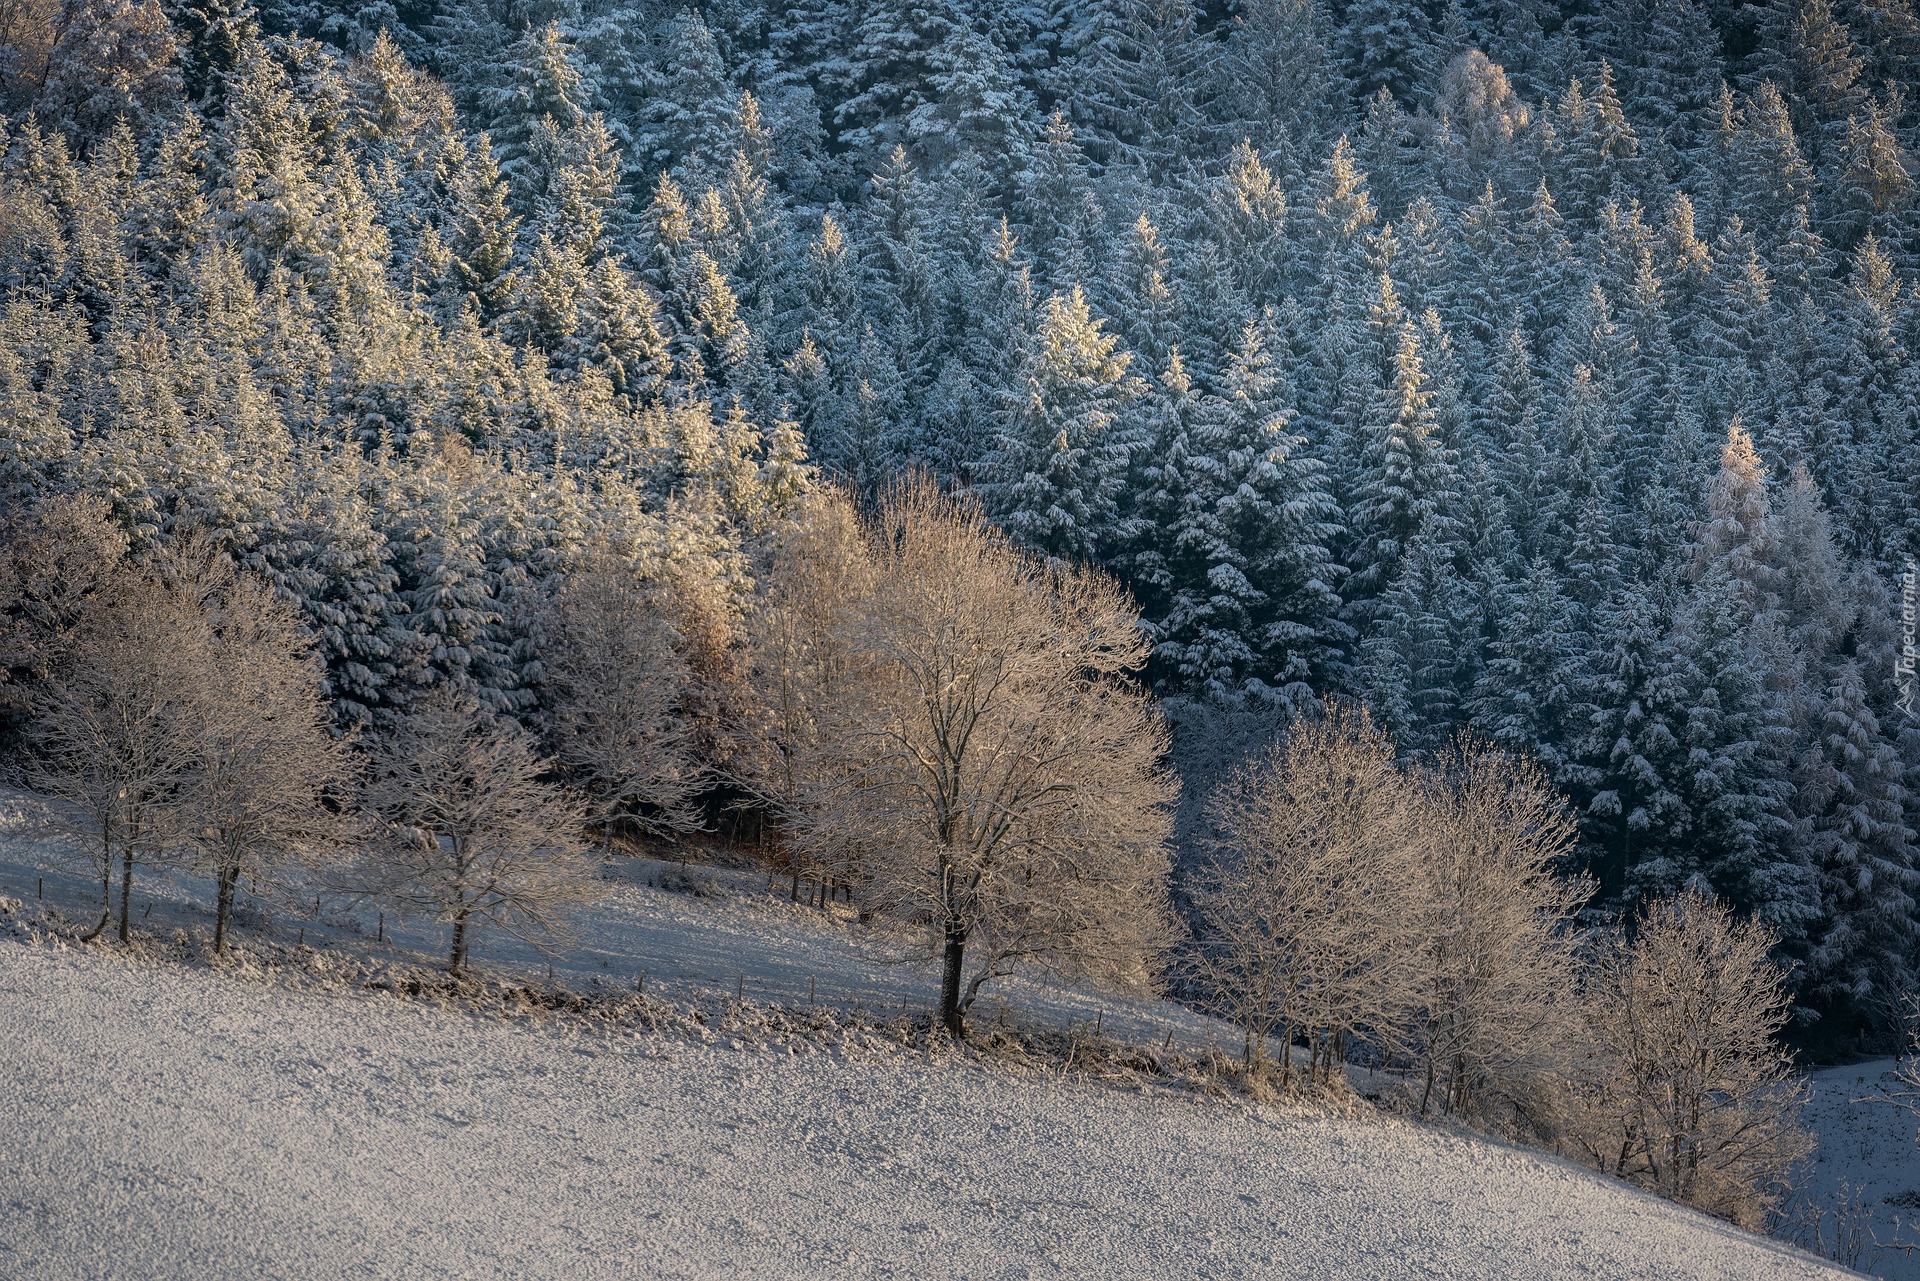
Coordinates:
1550	369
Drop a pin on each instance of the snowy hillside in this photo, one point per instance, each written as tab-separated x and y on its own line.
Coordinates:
708	930
1396	516
163	1121
1867	1173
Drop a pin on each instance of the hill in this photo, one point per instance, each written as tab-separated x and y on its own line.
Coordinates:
162	1120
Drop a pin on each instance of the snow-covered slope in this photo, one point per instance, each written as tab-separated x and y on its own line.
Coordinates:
165	1122
1865	1179
736	933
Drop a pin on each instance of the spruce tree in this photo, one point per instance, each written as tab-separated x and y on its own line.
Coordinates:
1857	837
1279	81
1629	759
1066	439
1247	218
1406	480
976	104
1058	209
541	95
1241	523
1387	46
1139	84
689	121
1528	696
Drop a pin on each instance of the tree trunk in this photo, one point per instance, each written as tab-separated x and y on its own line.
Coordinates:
1626	858
954	958
223	911
126	890
106	890
457	959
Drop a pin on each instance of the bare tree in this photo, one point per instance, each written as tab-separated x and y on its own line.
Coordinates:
993	763
1311	908
469	831
177	700
1687	1091
1500	945
801	654
53	557
1906	1071
619	681
112	729
267	778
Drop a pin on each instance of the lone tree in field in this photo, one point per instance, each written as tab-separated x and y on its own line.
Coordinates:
996	765
468	831
267	779
1500	948
1312	905
1688	1093
618	676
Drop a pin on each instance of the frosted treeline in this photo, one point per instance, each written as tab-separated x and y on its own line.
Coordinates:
1542	368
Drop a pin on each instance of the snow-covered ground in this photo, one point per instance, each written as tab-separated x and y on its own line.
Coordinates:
1868	1164
160	1121
735	934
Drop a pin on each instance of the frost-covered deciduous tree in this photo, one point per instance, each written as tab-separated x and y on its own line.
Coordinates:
109	60
54	557
802	655
467	829
1500	942
1480	106
995	761
1687	1091
267	780
113	725
619	681
1313	905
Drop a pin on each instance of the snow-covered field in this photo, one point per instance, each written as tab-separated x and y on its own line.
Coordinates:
166	1122
733	935
159	1120
1868	1159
